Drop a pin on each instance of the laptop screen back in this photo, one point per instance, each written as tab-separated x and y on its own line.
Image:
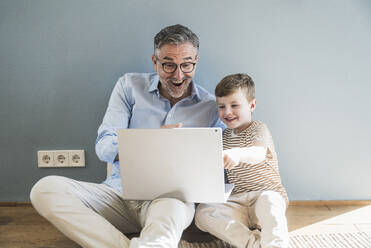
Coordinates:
183	163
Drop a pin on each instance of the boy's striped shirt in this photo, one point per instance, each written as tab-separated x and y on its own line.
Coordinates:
254	177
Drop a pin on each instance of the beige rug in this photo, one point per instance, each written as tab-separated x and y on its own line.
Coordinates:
332	240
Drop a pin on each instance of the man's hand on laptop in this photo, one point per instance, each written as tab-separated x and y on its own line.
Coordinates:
178	125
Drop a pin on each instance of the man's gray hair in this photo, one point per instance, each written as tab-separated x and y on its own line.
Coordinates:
175	34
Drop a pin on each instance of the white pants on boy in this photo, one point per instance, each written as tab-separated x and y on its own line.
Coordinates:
238	221
95	215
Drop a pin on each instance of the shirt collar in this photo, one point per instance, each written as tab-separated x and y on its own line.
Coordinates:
154	83
195	94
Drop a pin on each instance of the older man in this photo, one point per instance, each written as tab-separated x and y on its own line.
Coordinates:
95	215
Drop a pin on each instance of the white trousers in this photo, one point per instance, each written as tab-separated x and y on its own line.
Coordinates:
252	219
95	215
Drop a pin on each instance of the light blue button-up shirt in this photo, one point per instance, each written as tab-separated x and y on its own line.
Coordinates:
136	103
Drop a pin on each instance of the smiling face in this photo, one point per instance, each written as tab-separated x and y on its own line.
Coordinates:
235	110
176	85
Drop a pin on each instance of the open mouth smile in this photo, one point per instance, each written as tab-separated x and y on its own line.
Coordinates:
230	119
177	84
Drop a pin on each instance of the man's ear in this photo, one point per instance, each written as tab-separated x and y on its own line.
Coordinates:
154	62
252	105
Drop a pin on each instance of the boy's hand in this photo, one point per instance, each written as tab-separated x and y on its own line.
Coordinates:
178	125
230	161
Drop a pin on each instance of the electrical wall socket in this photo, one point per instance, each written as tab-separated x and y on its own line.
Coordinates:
61	158
77	158
45	158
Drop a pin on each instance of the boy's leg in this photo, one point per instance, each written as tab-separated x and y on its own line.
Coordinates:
270	209
228	221
92	215
164	221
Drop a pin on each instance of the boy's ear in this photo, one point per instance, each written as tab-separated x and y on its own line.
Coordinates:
252	105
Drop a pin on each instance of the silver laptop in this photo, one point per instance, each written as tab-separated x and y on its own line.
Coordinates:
182	163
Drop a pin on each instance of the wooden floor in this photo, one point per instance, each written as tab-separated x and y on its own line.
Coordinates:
22	227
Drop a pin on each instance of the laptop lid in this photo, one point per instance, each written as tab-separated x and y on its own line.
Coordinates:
182	163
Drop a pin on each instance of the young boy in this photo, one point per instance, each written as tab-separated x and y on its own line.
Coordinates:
254	215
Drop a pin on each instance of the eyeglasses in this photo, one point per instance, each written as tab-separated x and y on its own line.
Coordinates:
170	67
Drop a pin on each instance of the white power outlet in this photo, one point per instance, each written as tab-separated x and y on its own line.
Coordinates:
77	158
45	159
61	158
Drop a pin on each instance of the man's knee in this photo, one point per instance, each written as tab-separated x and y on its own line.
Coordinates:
42	194
171	209
172	205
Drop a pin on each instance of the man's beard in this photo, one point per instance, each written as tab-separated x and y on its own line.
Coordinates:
178	89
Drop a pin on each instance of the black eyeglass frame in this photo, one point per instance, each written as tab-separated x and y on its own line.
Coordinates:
176	66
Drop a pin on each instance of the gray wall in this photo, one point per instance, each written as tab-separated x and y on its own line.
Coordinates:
311	61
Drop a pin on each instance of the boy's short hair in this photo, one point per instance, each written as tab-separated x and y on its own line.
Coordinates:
231	83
